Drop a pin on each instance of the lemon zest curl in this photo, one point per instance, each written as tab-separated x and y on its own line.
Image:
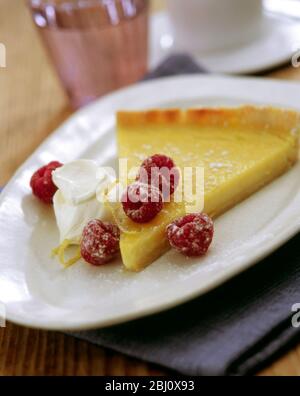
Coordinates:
61	250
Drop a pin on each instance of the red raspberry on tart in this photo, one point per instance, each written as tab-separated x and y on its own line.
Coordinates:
192	234
100	242
160	171
42	184
142	202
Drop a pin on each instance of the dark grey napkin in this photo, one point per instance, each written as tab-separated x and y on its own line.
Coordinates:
233	330
175	65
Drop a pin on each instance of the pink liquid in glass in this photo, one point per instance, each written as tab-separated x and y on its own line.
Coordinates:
96	46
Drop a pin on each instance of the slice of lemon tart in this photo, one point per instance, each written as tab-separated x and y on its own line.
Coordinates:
239	149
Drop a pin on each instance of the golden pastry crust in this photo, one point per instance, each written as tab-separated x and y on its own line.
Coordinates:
149	117
275	120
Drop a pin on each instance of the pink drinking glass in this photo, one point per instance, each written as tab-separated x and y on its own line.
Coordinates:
96	46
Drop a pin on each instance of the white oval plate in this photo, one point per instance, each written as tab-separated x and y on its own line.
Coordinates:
38	292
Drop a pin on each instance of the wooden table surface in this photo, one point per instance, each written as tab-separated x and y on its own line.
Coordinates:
32	104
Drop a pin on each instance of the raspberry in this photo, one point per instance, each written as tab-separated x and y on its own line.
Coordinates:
160	171
192	234
42	184
100	242
142	202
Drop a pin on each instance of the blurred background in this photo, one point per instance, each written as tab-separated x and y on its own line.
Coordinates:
61	54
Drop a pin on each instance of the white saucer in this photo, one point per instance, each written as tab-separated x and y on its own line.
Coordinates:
279	41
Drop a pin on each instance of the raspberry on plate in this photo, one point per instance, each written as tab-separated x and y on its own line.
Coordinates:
142	202
160	171
100	242
42	184
192	234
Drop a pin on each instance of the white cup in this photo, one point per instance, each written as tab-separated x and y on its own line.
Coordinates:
211	25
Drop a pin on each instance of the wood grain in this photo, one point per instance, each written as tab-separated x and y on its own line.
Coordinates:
32	104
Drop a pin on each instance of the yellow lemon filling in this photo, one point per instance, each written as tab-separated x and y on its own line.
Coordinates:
240	150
